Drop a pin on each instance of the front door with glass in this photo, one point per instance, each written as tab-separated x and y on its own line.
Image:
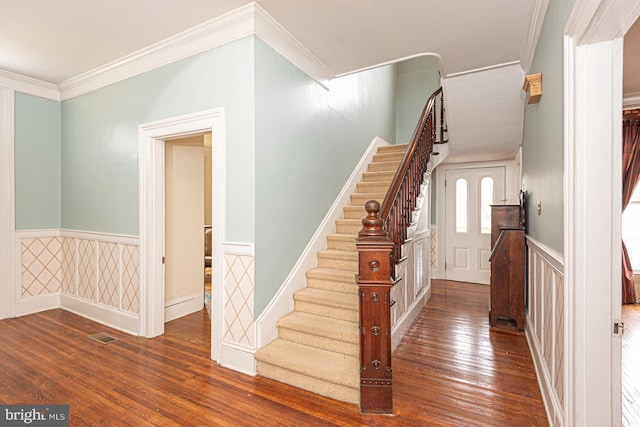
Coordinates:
469	195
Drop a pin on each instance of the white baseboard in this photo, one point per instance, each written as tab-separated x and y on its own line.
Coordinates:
238	357
107	316
282	303
183	306
549	396
38	303
405	322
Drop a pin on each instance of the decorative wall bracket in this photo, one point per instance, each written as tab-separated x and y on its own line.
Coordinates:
533	87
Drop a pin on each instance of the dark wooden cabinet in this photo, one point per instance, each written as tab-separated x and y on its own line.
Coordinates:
507	267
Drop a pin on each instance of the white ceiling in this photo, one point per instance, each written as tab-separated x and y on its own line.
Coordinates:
57	40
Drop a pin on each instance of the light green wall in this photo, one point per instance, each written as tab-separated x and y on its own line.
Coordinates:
542	148
100	138
308	141
37	162
416	80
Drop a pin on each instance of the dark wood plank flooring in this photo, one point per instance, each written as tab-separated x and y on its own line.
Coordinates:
450	370
631	365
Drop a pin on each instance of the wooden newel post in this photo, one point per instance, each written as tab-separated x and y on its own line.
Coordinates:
375	282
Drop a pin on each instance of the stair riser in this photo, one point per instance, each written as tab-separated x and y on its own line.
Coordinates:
325	310
315	385
360	200
348	228
333	285
338	264
385	177
383	166
342	245
337	346
373	187
397	148
388	157
354	212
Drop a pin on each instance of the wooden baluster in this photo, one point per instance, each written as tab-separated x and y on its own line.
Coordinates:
375	282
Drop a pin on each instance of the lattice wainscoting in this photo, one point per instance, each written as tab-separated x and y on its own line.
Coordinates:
545	325
239	335
40	265
81	270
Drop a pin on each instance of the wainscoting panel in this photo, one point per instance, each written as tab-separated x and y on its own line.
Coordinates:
545	325
41	266
93	274
239	334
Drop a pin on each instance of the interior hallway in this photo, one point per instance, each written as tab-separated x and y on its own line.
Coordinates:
450	370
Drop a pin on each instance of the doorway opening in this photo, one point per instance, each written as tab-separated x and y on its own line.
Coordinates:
187	228
152	141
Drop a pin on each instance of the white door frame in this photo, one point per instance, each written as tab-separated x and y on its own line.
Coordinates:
7	205
592	208
512	186
151	146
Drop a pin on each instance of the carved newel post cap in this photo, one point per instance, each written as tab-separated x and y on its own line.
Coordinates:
372	224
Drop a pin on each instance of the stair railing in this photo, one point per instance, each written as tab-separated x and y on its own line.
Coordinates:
380	250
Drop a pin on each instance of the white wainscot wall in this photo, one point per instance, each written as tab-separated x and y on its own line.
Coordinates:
92	274
545	325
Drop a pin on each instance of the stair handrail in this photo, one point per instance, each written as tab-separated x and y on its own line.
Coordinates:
400	200
379	246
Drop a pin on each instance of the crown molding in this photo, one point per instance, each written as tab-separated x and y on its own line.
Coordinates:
275	35
29	85
244	21
532	34
224	29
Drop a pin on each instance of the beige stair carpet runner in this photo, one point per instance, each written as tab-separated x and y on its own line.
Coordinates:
318	347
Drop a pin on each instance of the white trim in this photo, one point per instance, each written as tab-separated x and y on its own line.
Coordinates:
101	237
533	34
553	258
404	323
151	148
105	315
397	61
7	204
479	70
551	401
242	249
36	304
244	21
592	109
282	302
183	306
276	36
36	234
238	357
29	85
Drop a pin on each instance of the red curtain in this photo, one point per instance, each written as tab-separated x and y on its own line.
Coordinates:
630	175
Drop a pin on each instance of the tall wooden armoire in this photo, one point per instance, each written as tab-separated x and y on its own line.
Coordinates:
507	259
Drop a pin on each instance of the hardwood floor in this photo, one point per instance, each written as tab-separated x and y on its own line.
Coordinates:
450	370
631	365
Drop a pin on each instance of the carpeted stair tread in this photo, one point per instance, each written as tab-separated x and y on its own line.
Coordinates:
321	364
331	274
342	241
388	157
330	298
383	166
382	176
373	187
393	148
339	259
359	199
354	212
313	324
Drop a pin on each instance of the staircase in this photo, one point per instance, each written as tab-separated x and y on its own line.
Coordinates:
318	347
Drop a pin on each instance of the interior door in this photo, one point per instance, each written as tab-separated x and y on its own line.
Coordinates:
469	194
